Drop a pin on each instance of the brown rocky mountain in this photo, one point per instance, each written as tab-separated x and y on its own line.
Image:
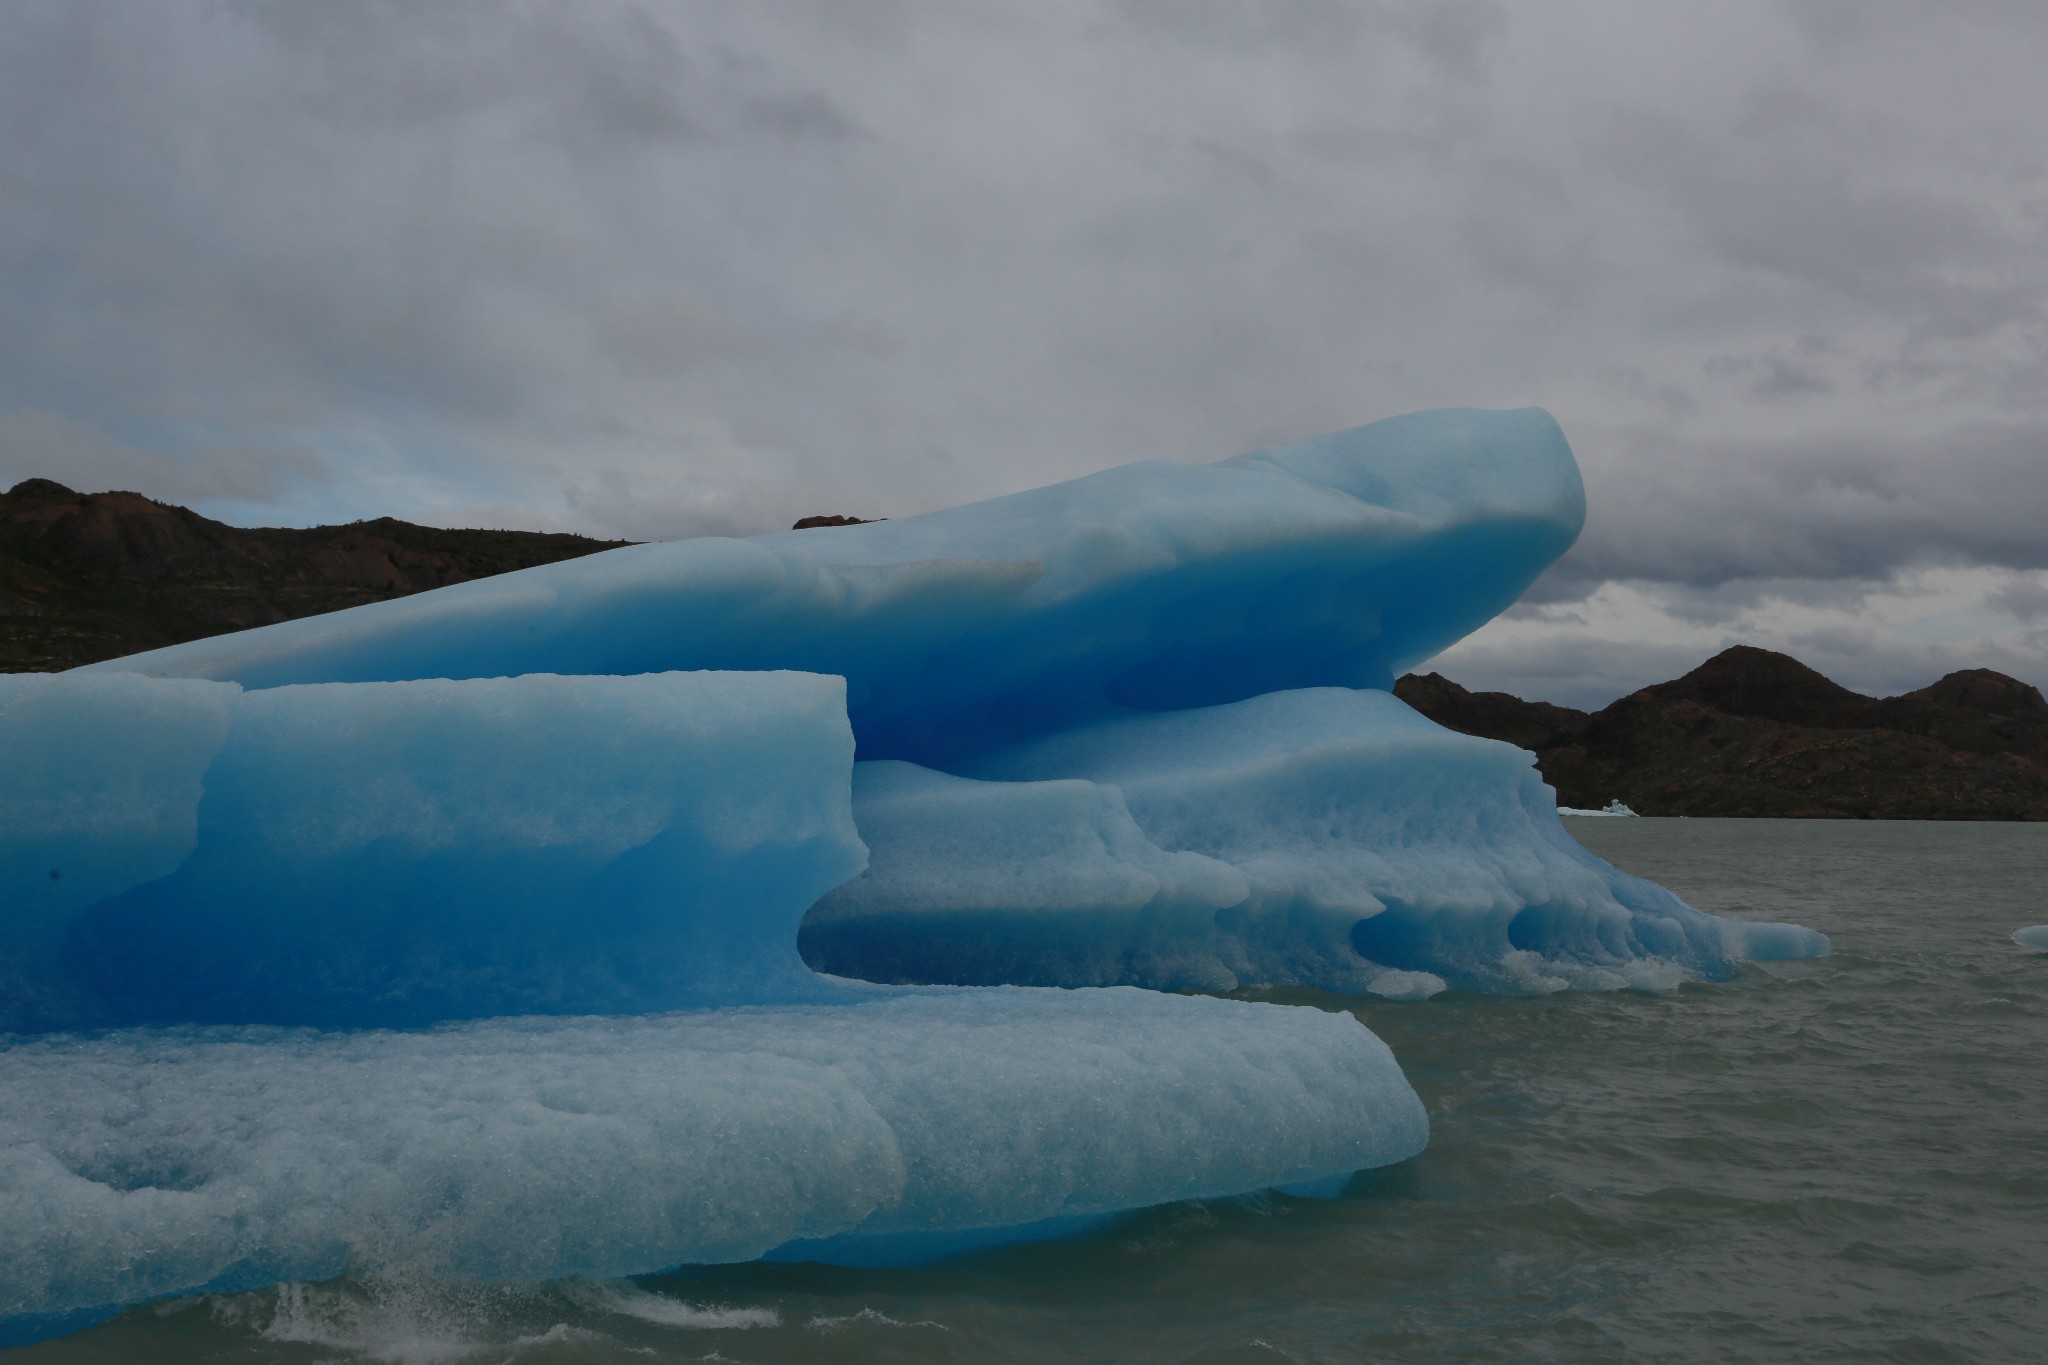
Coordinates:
90	576
1752	732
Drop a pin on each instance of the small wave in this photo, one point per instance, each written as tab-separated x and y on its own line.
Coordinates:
662	1311
869	1315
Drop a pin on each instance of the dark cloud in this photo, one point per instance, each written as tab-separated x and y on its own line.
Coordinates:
1852	508
680	266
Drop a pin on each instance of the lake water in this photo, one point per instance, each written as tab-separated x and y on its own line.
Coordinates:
1842	1160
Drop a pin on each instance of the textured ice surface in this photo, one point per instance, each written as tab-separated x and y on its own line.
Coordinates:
1324	837
1109	735
397	853
143	1163
1339	560
2034	937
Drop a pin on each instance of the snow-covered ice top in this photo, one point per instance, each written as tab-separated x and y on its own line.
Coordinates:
1340	560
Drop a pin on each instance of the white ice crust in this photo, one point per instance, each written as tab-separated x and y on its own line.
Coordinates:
151	1162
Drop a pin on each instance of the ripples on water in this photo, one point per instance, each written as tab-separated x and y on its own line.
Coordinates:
1844	1160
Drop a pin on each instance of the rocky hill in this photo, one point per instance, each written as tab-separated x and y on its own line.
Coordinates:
1752	732
90	576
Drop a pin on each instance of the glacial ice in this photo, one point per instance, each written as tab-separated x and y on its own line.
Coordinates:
147	1162
2035	936
1335	561
1324	837
564	826
400	853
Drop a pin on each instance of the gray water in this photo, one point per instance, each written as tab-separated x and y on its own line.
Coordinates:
1842	1160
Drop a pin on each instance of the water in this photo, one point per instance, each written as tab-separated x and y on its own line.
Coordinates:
1844	1160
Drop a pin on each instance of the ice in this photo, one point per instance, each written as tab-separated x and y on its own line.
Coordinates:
1131	729
149	1162
1340	560
1323	837
2034	937
398	853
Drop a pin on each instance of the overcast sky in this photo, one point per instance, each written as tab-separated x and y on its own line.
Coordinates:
678	268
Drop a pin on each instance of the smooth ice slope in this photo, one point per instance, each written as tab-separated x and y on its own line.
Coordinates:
1323	837
397	853
146	1163
1339	560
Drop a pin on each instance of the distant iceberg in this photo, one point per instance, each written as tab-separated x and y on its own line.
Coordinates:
2034	937
540	854
1614	809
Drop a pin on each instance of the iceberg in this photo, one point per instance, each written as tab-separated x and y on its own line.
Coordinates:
1155	586
394	854
147	1162
480	933
1324	837
547	926
1063	617
2035	936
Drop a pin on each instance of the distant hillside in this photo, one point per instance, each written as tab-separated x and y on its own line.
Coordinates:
1752	732
90	576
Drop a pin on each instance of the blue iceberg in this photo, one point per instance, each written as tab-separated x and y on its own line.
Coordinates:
511	931
1324	837
396	854
548	929
147	1162
2034	936
1339	561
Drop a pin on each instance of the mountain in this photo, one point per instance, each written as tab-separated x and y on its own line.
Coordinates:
1754	732
89	576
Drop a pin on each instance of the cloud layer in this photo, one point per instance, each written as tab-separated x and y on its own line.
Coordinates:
674	268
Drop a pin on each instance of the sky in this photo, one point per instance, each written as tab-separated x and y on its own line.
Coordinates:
673	268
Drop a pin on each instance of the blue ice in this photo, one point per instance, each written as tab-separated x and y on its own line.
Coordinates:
145	1162
1325	837
2035	936
461	933
396	854
629	855
1336	561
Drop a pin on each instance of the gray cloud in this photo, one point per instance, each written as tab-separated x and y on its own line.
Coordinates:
699	265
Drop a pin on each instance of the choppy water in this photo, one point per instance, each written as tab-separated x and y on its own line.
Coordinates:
1844	1160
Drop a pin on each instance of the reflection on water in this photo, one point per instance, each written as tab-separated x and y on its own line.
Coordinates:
1842	1160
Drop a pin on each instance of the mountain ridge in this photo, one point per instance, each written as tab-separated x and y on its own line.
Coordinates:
1752	732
